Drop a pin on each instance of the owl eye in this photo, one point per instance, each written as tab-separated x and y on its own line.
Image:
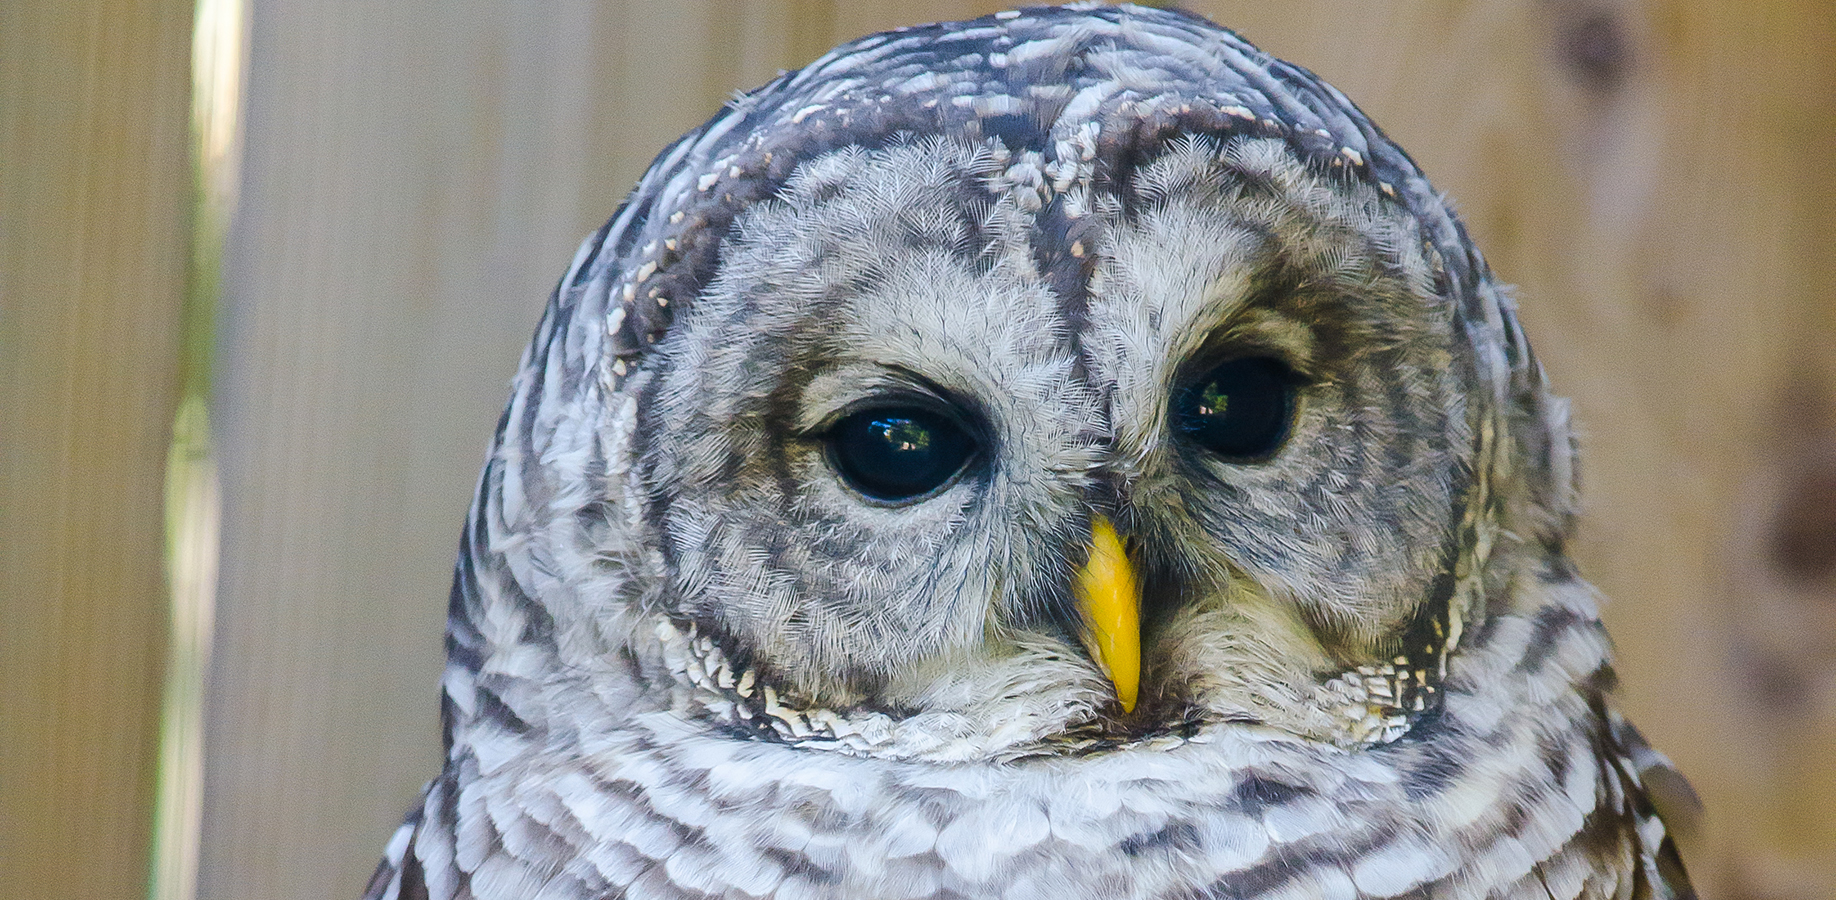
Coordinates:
894	455
1240	410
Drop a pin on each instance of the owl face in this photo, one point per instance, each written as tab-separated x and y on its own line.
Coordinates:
880	441
1069	453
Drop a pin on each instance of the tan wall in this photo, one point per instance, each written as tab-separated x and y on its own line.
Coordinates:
1655	175
93	245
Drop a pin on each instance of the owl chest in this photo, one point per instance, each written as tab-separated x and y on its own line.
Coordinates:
778	822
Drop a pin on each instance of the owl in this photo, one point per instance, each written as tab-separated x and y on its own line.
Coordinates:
1064	454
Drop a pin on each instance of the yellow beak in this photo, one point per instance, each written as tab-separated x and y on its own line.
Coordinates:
1111	603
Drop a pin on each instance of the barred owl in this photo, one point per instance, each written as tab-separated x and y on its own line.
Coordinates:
1065	454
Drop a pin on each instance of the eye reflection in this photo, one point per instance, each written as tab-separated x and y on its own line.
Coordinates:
1241	410
897	454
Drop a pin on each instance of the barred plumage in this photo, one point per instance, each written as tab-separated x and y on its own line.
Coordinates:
688	657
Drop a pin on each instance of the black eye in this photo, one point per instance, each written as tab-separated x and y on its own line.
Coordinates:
1240	410
898	454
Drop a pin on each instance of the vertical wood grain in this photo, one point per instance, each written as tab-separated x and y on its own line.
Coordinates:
94	238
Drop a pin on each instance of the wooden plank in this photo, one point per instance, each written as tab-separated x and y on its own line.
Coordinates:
94	240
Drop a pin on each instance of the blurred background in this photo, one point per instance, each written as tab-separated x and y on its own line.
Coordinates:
267	270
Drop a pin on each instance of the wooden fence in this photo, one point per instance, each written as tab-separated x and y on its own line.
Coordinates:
1656	177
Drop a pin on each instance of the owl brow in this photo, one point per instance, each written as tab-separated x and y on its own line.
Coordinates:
1266	322
1325	318
886	385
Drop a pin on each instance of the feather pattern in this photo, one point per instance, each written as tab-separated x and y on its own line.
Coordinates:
672	675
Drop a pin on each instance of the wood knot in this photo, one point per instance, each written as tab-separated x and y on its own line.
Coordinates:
1801	544
1594	46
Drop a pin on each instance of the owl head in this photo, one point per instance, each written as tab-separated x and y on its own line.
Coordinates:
1064	378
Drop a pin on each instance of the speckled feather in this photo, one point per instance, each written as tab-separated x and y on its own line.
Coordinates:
682	663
